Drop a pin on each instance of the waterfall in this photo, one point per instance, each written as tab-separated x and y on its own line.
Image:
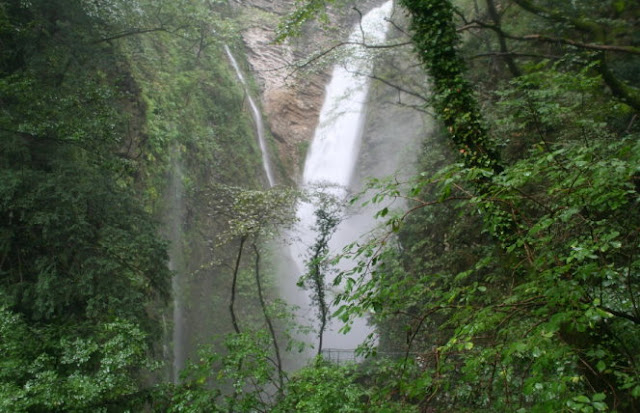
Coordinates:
174	217
257	118
334	150
331	162
179	351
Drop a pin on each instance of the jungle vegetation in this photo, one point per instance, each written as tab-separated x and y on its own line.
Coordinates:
509	284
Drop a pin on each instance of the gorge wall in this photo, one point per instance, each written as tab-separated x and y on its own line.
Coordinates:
292	78
289	82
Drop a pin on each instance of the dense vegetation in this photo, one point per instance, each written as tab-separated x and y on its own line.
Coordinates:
515	275
99	101
511	284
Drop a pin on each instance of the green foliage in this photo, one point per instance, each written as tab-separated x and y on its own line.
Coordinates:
67	221
436	38
327	213
189	98
253	213
95	95
47	368
75	246
305	10
246	369
515	284
323	388
510	285
83	272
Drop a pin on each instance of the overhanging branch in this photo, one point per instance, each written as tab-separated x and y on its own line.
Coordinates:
581	45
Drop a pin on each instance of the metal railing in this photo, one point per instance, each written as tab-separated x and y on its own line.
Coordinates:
341	356
344	356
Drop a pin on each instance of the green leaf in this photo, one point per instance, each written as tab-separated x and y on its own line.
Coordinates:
582	399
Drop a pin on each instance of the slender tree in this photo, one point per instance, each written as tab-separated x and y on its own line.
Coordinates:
327	221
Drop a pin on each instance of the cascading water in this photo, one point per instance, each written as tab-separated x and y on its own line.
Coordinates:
257	118
334	150
332	159
174	216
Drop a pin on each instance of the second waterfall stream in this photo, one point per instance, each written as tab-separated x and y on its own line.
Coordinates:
329	168
257	118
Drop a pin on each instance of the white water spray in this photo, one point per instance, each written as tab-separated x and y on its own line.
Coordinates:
335	147
175	216
179	354
332	159
257	118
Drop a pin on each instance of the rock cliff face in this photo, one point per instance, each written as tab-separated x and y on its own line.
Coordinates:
292	85
292	90
290	102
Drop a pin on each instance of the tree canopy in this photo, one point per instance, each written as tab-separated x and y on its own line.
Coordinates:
509	284
516	274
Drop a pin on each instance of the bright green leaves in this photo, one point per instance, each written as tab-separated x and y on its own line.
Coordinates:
521	275
246	367
323	388
328	388
539	108
251	213
585	404
82	272
304	11
69	371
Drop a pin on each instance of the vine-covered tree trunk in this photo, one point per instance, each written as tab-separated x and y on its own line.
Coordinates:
435	39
